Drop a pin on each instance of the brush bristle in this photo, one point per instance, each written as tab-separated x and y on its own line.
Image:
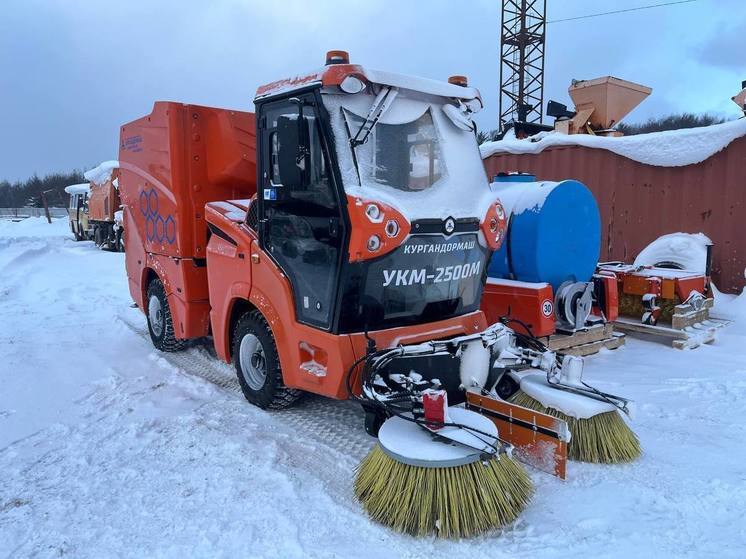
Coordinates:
450	502
602	439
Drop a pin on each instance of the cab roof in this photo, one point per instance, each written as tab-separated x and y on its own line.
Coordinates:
334	74
83	188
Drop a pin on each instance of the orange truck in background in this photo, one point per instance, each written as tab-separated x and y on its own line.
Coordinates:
350	211
104	216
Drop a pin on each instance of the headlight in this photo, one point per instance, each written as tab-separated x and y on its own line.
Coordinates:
374	243
351	84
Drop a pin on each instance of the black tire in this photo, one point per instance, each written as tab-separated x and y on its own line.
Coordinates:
78	236
271	392
98	236
119	243
160	324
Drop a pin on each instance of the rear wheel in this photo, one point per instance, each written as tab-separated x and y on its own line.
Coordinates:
257	364
160	322
98	236
119	246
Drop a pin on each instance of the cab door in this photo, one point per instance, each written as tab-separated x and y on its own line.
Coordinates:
301	224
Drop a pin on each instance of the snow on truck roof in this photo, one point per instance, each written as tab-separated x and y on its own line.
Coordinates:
334	74
83	188
102	172
673	148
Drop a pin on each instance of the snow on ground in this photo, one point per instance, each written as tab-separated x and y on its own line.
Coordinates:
111	449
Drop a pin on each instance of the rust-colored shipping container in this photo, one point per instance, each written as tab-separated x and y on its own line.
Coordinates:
640	202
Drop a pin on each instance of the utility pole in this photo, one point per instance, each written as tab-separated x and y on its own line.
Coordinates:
523	31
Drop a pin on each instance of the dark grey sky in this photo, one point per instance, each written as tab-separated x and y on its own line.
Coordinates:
72	71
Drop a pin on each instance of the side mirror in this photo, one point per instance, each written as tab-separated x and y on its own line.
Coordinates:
293	152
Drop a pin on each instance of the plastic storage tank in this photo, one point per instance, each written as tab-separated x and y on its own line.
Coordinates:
554	231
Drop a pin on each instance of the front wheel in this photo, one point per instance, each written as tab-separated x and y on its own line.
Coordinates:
257	364
76	232
160	321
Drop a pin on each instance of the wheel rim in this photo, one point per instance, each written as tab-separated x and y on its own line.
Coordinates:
253	362
155	315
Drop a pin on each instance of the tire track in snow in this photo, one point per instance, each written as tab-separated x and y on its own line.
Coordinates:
332	423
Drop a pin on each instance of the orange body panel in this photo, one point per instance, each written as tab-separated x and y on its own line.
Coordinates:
363	227
172	162
665	284
610	308
103	200
494	226
311	359
532	304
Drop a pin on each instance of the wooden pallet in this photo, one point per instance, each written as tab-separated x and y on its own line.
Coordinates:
693	335
585	342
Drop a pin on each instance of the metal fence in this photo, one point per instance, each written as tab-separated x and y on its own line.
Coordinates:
31	212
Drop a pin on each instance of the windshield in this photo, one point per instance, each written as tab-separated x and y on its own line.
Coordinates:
404	156
415	157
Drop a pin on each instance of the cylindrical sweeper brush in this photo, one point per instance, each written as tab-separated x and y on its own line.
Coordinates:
599	433
458	481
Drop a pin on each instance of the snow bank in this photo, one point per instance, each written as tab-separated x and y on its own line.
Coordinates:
33	227
685	249
674	148
730	307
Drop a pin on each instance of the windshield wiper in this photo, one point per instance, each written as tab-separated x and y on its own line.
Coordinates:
380	105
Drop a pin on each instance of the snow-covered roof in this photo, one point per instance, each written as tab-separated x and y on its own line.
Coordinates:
426	85
83	188
674	148
102	173
333	74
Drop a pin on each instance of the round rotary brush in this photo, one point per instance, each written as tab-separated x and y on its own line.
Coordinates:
599	434
455	482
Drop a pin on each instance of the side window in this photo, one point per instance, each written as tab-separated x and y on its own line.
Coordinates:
274	162
303	227
73	203
315	186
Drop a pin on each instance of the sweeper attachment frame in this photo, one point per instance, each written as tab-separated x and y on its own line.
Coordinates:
599	432
407	484
436	469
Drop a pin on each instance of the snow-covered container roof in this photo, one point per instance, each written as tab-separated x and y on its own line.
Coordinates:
674	148
102	172
83	188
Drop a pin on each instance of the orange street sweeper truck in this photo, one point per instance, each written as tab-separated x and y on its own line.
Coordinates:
335	241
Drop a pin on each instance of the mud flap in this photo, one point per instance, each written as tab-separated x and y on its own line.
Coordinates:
539	440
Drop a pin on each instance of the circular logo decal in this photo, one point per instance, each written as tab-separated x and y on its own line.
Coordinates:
547	308
450	225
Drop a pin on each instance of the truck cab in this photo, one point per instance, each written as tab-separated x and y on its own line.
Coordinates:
370	222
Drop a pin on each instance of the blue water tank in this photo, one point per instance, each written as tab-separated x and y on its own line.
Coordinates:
554	232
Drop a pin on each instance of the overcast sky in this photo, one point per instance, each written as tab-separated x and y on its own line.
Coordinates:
73	71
